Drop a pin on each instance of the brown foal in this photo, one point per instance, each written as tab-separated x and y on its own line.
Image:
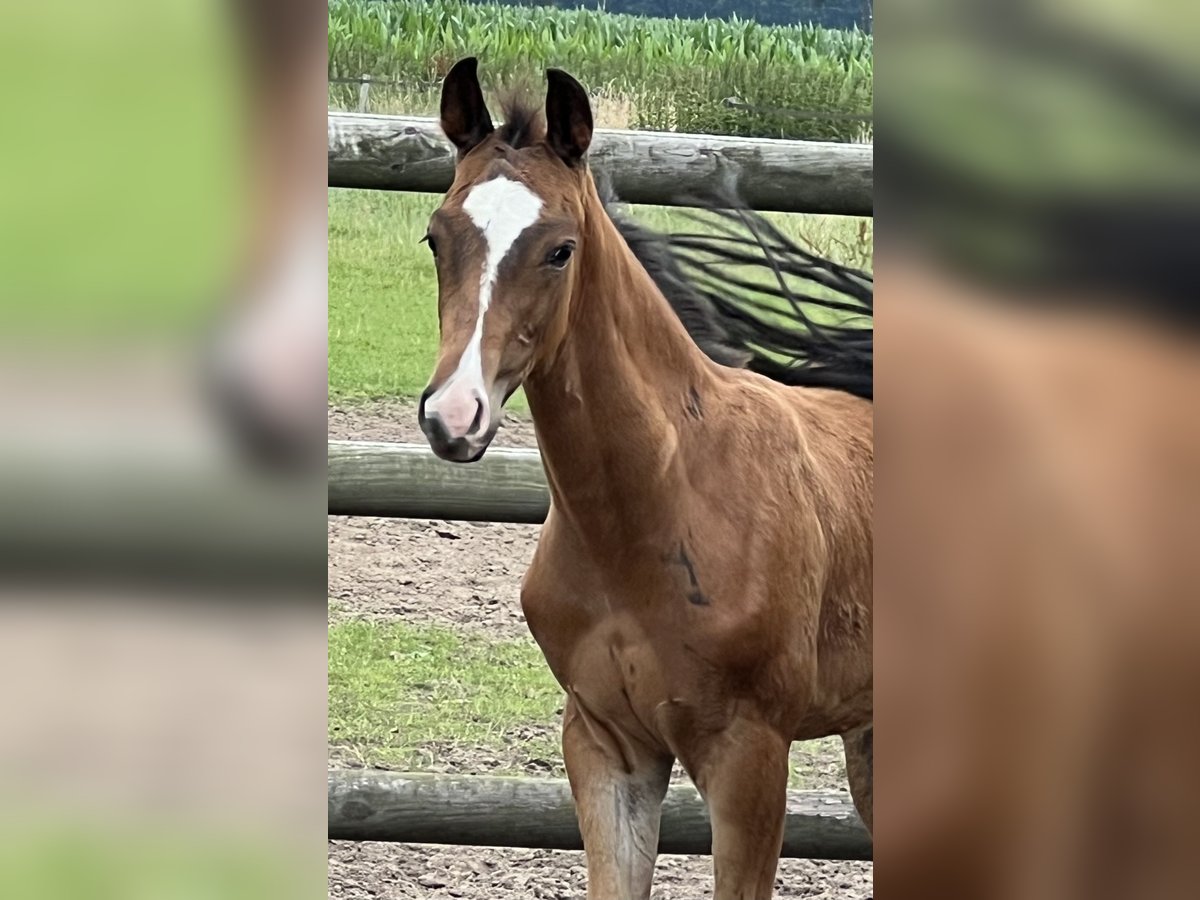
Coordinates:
702	585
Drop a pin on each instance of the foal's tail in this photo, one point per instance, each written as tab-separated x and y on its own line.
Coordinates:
750	296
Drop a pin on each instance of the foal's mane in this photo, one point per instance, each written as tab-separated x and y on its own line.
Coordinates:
750	296
524	125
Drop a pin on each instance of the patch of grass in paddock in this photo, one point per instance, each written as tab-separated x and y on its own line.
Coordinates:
382	295
383	329
398	693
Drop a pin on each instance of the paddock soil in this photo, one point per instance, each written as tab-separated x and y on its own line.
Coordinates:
468	576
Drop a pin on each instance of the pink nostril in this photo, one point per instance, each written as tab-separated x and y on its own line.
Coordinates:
477	422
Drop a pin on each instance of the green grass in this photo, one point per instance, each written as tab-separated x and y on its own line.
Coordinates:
383	331
400	695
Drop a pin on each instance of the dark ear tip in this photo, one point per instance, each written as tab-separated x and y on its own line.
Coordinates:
468	65
558	76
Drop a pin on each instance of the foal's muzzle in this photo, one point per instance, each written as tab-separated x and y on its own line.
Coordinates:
456	420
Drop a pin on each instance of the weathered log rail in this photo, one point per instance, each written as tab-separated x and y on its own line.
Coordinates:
407	153
538	813
374	478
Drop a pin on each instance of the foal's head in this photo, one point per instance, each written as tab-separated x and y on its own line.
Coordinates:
505	242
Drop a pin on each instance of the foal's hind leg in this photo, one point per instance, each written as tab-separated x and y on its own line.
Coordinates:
859	746
619	789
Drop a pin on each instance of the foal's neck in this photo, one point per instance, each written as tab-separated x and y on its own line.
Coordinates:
615	408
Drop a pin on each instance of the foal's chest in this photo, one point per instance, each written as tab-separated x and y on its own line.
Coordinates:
625	646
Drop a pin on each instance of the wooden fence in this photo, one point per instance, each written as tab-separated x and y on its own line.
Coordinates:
405	153
369	478
538	813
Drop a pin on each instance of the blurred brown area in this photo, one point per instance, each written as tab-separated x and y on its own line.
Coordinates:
162	495
1038	452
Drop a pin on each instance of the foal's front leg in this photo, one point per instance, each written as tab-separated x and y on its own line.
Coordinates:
619	789
742	774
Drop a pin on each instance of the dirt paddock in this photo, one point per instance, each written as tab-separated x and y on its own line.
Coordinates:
468	576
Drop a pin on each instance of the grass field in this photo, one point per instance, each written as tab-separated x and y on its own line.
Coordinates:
383	291
382	295
409	697
400	695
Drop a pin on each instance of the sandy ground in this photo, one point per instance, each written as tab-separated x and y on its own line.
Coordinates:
447	573
468	576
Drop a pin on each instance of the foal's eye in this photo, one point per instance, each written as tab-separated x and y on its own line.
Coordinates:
559	255
428	239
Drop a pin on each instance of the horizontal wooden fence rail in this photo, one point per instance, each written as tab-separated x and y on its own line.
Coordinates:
406	153
374	478
538	813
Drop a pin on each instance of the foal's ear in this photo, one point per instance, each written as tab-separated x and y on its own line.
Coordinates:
465	118
568	117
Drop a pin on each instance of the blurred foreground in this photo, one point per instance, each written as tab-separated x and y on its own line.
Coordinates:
1038	452
162	505
162	500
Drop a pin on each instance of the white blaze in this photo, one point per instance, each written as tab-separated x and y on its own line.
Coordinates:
501	209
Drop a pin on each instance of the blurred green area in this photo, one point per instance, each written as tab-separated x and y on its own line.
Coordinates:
1011	129
118	862
121	214
119	173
